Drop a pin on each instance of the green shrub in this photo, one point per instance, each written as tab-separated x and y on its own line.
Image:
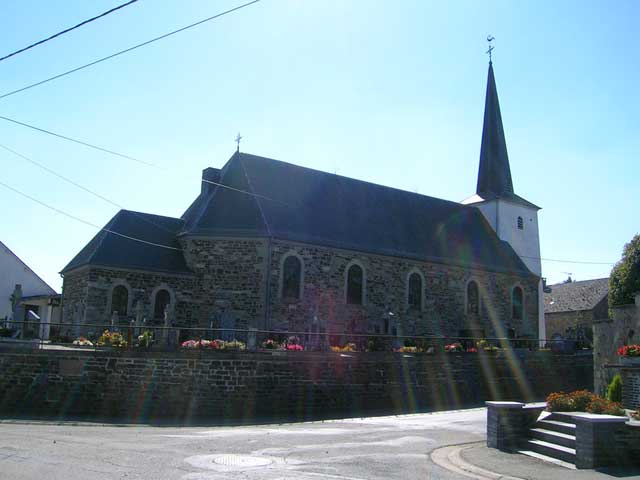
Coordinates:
614	392
624	280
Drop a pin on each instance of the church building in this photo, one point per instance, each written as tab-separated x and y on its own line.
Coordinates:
275	246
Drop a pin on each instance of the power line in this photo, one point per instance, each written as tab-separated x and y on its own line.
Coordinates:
122	155
121	52
82	187
40	42
75	140
78	219
68	180
571	261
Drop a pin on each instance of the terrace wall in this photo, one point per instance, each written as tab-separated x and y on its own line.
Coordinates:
147	386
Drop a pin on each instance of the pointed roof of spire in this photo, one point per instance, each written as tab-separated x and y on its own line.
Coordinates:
494	174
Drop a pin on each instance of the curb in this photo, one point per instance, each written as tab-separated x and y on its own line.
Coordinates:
450	458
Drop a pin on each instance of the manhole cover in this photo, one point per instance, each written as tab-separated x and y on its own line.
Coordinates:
233	460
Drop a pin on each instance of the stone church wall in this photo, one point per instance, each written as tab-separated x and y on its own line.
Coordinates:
444	295
184	386
87	293
229	289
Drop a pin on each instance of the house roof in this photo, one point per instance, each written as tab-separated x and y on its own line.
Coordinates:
266	197
114	245
573	296
44	284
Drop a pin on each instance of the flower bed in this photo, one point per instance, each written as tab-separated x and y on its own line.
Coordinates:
583	401
629	351
233	345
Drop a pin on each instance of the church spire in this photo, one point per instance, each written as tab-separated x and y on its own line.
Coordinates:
494	174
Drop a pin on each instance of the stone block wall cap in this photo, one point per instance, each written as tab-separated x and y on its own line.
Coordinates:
597	418
505	404
633	423
536	405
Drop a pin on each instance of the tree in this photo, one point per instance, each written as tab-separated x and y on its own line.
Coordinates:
624	281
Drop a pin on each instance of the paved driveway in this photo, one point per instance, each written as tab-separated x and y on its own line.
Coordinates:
354	449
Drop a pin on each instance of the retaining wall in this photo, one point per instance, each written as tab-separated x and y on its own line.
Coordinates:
145	386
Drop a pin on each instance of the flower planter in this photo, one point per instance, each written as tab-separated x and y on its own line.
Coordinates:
630	361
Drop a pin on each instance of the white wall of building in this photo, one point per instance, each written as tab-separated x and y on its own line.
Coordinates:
503	215
13	271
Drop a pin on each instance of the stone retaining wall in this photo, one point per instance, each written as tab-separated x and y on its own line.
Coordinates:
630	386
144	386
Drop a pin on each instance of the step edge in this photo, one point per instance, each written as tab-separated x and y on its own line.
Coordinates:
547	458
553	446
553	433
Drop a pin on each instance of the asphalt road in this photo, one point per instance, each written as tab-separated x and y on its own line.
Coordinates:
396	447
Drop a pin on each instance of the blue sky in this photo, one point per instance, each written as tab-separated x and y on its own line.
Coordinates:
385	91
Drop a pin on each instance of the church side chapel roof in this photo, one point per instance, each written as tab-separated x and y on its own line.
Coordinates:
272	198
115	250
575	296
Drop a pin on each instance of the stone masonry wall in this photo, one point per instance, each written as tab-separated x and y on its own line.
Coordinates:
145	386
444	295
609	335
229	288
87	293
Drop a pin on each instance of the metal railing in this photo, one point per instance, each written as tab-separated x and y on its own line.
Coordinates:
172	338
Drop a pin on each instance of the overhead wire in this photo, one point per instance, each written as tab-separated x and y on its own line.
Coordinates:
55	35
82	187
81	220
75	140
126	50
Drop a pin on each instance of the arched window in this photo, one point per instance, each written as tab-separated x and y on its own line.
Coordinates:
520	223
120	300
473	298
414	293
355	285
517	303
291	278
163	298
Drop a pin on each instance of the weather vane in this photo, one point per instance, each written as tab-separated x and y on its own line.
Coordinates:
238	138
490	39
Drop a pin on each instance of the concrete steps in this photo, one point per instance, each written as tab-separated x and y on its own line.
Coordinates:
553	439
551	436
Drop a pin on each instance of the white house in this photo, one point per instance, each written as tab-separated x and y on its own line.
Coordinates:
35	294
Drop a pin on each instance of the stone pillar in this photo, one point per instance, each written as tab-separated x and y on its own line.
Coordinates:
507	424
595	439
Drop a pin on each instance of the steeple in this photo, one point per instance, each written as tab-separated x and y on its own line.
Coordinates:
494	174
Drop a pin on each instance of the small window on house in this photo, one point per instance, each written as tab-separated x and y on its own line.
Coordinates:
120	300
355	284
520	223
473	298
291	278
517	298
163	298
414	294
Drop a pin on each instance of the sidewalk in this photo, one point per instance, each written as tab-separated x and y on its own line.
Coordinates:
479	461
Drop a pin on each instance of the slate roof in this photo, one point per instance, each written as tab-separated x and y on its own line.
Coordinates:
494	172
115	250
582	295
294	203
